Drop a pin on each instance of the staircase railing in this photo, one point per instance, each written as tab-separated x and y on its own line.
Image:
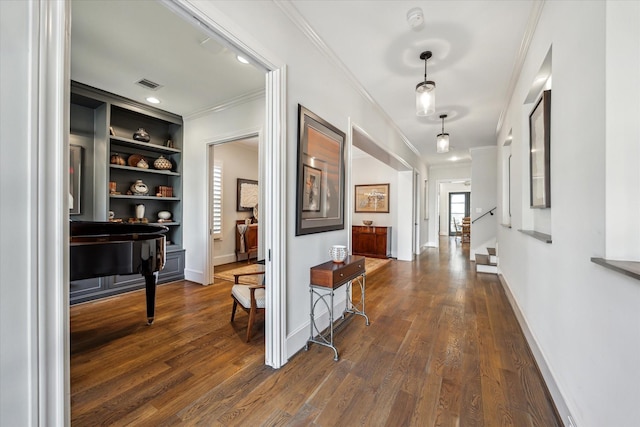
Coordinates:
486	213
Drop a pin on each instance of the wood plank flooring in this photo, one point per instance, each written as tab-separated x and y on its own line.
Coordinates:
443	349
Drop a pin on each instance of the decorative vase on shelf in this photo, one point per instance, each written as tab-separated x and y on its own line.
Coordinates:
117	159
161	163
141	135
139	188
139	211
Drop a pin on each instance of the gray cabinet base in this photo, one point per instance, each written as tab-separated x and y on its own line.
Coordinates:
100	287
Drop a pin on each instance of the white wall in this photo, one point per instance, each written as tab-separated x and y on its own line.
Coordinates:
238	161
367	170
199	132
18	286
623	131
583	320
484	175
283	39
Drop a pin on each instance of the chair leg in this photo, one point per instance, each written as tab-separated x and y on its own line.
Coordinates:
252	316
233	312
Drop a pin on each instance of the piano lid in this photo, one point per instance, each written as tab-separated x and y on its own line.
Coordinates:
83	231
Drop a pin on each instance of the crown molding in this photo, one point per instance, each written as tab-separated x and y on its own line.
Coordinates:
532	23
296	17
231	103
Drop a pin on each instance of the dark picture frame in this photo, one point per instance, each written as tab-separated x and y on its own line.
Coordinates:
540	152
246	194
75	179
321	156
372	198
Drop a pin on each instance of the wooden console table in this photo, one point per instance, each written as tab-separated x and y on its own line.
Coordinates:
325	279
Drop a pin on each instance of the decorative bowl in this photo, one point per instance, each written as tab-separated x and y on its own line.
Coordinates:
367	222
338	253
164	215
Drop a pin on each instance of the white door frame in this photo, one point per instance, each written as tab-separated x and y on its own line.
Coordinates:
50	395
210	254
229	34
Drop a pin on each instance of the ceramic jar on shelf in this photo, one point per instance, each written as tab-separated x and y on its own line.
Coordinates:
141	135
162	163
139	211
139	188
117	159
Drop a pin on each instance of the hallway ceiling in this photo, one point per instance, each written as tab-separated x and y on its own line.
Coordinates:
474	43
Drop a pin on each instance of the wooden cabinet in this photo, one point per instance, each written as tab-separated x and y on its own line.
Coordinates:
103	124
248	249
373	242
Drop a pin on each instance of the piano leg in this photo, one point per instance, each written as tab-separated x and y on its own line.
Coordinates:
150	281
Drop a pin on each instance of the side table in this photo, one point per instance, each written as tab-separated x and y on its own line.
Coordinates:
325	279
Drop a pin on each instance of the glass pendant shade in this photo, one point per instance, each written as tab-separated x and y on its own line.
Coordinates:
442	143
425	98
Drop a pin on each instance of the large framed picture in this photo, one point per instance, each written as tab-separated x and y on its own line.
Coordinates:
320	180
75	175
372	198
539	153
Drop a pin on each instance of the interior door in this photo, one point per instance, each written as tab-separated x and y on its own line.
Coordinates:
459	207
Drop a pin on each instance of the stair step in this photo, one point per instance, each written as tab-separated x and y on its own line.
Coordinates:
482	268
483	259
491	251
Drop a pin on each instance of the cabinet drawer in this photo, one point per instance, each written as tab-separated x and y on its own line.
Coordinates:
332	275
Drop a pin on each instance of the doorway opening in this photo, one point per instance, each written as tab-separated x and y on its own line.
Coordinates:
234	193
459	207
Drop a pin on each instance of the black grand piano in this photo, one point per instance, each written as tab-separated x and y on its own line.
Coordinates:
107	248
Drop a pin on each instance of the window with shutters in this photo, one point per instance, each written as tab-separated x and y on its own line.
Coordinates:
216	225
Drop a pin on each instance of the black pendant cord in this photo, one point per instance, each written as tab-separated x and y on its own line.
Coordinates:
425	71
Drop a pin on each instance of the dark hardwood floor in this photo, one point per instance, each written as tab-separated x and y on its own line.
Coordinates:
443	349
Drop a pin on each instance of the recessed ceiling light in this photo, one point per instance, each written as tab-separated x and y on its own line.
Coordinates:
242	59
153	100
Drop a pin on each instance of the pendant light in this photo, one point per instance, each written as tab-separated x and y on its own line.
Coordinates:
442	140
425	91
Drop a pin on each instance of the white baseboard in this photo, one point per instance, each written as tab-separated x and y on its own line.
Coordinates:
545	370
194	276
297	339
224	259
431	245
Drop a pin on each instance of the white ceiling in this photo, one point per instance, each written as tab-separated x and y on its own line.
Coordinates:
474	45
114	44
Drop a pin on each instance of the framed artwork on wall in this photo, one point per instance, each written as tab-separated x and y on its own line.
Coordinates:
247	194
372	198
320	180
75	176
539	153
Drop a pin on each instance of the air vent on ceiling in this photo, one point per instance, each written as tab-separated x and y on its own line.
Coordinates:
146	83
